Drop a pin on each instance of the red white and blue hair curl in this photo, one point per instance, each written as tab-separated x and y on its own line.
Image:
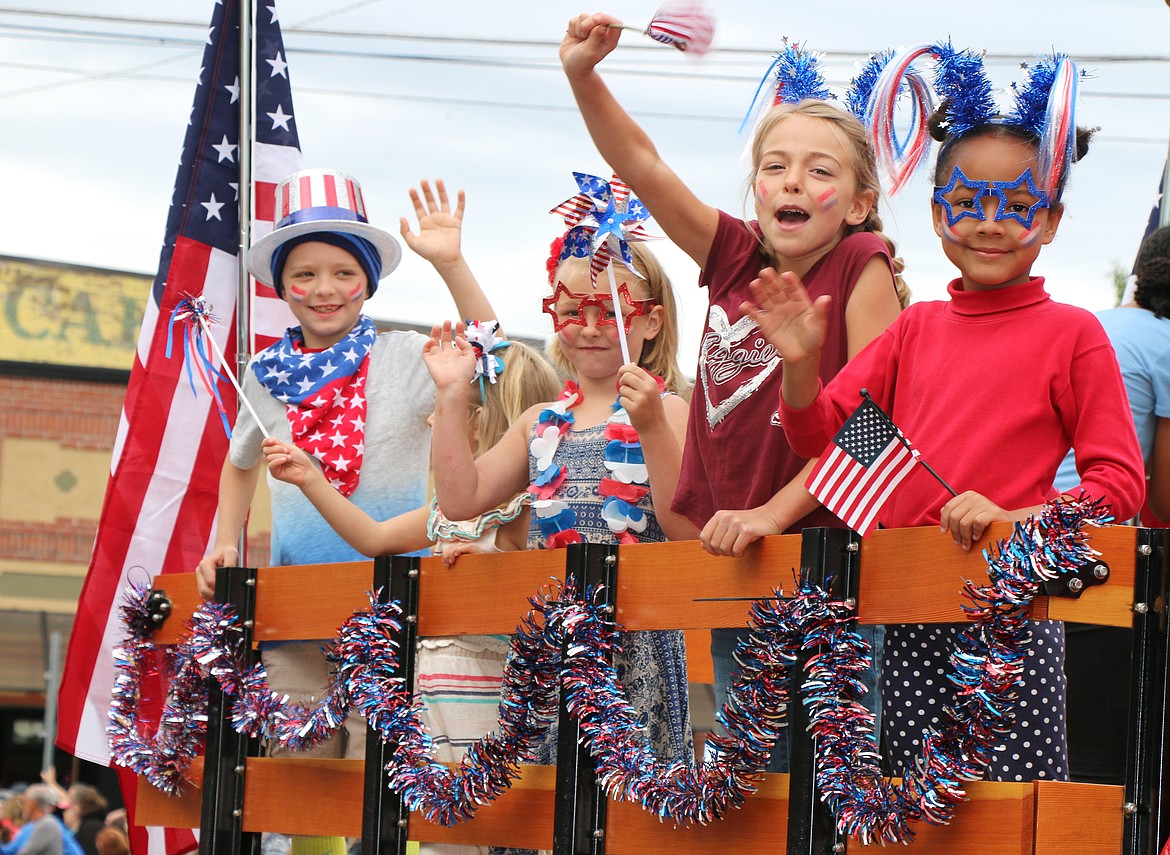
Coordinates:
1044	107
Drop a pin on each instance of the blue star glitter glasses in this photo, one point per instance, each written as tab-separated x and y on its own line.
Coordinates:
1019	200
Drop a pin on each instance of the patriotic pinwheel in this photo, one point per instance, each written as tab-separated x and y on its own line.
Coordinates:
601	222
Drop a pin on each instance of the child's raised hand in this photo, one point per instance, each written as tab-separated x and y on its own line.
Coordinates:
448	356
588	40
288	463
967	516
439	228
640	396
794	324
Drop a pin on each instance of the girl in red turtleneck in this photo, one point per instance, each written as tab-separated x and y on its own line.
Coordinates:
993	387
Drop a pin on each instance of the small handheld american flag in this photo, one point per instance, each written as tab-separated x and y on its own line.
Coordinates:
866	460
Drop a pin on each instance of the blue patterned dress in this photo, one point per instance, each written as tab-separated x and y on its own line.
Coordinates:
652	665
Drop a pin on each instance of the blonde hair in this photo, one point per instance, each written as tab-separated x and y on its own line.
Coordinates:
864	165
659	354
527	379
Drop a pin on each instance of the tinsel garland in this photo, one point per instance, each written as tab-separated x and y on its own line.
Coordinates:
986	666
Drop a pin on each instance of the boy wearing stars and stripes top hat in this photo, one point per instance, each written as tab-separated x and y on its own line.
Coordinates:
355	400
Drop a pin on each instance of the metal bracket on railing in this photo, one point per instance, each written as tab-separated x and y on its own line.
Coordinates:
225	758
1073	583
385	816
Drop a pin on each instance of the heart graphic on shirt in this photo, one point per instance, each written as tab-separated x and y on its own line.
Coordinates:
723	361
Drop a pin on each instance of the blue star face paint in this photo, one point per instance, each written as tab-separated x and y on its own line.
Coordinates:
1017	200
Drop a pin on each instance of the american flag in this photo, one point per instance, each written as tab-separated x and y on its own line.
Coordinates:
866	460
161	499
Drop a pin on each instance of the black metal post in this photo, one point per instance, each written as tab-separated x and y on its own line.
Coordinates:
221	818
828	558
580	811
385	818
1145	803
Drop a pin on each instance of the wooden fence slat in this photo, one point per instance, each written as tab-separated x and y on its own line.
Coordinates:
154	807
1078	819
309	601
756	827
295	795
522	817
997	819
446	609
659	583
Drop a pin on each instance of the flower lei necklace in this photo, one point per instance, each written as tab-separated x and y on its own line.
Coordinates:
623	457
985	667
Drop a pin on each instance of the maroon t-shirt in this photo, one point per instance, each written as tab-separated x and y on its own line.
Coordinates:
736	455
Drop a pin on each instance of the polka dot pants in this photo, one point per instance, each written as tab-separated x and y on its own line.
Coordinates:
915	689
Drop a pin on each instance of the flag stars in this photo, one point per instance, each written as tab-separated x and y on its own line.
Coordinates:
278	66
318	402
304	385
338	439
213	205
357	402
226	151
280	119
351	355
234	89
358	423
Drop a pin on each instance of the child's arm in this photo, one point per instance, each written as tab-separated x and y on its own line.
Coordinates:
873	305
236	488
688	221
662	425
404	533
729	532
510	537
438	241
464	486
1159	484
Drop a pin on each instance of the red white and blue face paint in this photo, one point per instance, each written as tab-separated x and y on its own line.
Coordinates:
1018	200
568	308
828	199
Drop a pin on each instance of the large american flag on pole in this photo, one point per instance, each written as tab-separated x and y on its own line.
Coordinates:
863	464
161	499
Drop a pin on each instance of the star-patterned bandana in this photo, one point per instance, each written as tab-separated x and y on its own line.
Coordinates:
325	395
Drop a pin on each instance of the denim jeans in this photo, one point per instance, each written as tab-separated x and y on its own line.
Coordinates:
723	642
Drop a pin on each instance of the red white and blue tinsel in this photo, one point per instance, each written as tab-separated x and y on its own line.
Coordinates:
985	668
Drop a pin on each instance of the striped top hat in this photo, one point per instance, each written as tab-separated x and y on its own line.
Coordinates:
320	200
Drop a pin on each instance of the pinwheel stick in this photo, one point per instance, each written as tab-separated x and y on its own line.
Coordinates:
617	314
231	375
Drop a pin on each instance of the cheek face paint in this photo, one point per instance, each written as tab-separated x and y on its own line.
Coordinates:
761	190
949	233
828	199
1030	236
296	293
357	292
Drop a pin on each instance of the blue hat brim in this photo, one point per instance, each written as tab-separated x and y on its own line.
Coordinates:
259	258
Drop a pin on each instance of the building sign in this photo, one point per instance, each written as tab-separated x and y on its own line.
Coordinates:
66	315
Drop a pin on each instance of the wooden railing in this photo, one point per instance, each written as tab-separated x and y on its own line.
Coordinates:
896	576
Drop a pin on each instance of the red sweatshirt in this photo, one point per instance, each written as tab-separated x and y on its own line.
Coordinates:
993	388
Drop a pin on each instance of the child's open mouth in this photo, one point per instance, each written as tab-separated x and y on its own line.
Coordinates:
791	216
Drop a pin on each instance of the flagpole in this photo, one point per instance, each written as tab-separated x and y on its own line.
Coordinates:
898	433
243	293
243	284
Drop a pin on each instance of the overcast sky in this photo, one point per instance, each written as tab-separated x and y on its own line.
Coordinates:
94	98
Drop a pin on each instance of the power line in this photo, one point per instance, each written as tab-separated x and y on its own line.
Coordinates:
514	42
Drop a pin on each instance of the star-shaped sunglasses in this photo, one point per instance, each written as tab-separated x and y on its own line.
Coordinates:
1019	200
567	308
